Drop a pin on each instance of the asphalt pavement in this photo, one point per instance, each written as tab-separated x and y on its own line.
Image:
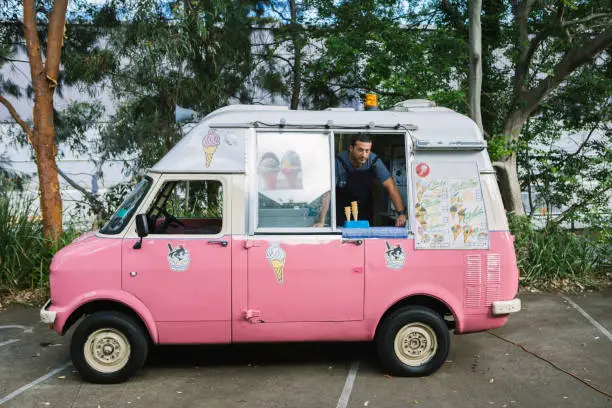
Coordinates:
557	352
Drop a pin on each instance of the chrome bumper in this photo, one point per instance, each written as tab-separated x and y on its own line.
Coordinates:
47	316
503	307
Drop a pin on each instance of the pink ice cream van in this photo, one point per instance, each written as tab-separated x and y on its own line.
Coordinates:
253	228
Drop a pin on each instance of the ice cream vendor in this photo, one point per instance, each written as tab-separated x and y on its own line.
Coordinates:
356	170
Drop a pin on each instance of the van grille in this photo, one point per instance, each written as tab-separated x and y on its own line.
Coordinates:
493	278
473	281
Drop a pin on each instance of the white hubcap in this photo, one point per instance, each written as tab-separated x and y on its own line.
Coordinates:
107	350
415	344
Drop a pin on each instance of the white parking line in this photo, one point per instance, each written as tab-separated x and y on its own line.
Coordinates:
33	383
348	386
25	329
6	343
589	318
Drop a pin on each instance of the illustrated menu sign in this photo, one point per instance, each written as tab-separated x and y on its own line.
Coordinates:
449	209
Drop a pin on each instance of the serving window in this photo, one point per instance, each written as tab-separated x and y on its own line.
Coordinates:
293	171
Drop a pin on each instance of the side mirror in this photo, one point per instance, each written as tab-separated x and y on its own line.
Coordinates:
142	229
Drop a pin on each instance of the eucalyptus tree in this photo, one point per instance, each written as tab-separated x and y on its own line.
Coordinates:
42	21
531	51
188	53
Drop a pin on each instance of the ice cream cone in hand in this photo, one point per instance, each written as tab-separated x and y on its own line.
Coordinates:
347	213
355	210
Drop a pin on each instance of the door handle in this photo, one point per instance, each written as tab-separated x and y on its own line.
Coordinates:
222	243
352	241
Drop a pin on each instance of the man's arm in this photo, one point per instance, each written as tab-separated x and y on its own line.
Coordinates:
396	199
325	200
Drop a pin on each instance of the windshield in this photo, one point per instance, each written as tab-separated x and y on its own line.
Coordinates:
123	214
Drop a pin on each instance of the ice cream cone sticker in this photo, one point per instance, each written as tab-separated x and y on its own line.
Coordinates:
453	211
467	231
456	229
276	256
211	142
461	214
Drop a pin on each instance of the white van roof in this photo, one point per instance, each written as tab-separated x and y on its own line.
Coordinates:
226	131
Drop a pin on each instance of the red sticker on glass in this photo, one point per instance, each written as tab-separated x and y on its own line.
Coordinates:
422	169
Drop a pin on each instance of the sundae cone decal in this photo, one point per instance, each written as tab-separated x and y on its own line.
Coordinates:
211	142
276	256
291	166
268	168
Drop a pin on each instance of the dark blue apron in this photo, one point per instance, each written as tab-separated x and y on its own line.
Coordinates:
358	188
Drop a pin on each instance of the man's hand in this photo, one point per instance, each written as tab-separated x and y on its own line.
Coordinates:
318	224
401	220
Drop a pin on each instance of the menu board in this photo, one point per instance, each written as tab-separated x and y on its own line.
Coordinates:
449	211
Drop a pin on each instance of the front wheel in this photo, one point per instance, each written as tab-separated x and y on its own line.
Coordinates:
413	341
108	347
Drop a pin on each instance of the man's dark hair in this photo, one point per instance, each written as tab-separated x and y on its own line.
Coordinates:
360	137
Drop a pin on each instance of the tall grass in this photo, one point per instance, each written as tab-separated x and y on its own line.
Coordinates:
554	257
25	255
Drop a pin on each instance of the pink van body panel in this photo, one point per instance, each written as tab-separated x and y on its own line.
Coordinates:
330	290
191	305
86	271
321	283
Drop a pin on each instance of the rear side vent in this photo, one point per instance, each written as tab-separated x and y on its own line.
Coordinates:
473	281
493	278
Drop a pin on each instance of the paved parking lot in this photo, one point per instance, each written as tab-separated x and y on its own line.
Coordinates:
482	370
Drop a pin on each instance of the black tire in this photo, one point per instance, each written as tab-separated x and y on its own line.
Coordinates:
121	329
425	324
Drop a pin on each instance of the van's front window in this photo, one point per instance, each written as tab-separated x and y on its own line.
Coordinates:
125	211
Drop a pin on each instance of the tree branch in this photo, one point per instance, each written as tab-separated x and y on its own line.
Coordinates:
290	63
586	19
17	118
13	60
32	41
55	40
585	200
573	59
92	199
528	48
280	14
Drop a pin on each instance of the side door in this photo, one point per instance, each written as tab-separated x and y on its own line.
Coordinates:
182	271
306	279
299	272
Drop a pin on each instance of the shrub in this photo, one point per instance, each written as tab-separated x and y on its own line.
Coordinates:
558	258
25	255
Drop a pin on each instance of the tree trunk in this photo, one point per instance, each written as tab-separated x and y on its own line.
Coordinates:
507	173
296	74
44	80
475	74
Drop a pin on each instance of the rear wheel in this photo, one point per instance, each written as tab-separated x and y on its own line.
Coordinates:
108	347
413	341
